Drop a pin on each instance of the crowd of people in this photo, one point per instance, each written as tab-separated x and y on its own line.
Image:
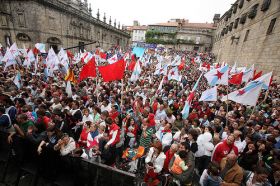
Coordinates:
224	143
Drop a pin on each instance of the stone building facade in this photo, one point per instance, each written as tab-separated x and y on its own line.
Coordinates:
249	33
58	23
183	35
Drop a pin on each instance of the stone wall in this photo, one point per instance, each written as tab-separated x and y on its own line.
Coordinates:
260	47
55	23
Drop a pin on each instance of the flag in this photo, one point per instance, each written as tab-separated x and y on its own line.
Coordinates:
17	80
14	50
236	79
113	71
8	56
248	74
176	61
160	85
131	65
41	47
69	54
29	58
113	59
88	70
86	57
52	60
233	69
186	109
266	79
136	72
257	75
174	74
63	58
248	95
103	55
68	89
161	70
70	76
209	94
217	76
182	64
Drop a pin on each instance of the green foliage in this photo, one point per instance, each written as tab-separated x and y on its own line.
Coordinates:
156	37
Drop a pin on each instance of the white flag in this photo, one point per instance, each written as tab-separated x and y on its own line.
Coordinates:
248	74
217	76
248	95
113	59
52	60
63	58
209	94
69	89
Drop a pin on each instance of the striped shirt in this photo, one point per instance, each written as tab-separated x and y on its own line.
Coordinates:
146	141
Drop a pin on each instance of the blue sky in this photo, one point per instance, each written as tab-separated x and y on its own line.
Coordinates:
158	11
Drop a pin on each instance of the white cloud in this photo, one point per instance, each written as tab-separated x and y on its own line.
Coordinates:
158	11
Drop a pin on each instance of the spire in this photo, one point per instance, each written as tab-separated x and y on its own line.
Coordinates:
98	14
115	23
119	25
110	21
104	18
90	10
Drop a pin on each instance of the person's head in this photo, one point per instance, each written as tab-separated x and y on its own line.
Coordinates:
86	112
213	169
261	174
193	134
109	121
167	126
57	115
183	155
104	115
184	146
174	148
21	118
231	159
230	140
251	146
237	134
157	147
65	138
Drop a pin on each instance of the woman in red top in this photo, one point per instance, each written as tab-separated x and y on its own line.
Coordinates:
84	134
130	133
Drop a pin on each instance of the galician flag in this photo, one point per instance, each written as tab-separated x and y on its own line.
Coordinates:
113	59
248	95
14	50
217	76
265	79
17	80
209	94
174	74
176	61
136	72
248	74
29	58
186	110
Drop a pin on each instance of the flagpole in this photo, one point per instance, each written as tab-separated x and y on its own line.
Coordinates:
227	107
121	95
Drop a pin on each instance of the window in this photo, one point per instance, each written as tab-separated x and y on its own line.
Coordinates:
21	20
243	18
81	46
253	11
234	8
241	3
230	26
265	5
236	23
271	26
246	35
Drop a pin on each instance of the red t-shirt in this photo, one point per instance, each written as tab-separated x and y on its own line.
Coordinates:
221	150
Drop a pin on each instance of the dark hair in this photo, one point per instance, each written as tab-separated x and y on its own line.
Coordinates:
213	168
182	154
2	110
109	120
157	145
194	133
186	145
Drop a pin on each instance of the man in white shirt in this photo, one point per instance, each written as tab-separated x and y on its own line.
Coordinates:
165	135
160	113
238	143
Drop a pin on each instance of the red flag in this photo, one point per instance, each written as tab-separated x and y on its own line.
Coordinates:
103	55
88	70
35	51
113	71
236	79
131	65
256	76
69	54
271	79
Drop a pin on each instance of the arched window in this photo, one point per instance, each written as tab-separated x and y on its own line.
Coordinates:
241	2
23	37
265	5
243	18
